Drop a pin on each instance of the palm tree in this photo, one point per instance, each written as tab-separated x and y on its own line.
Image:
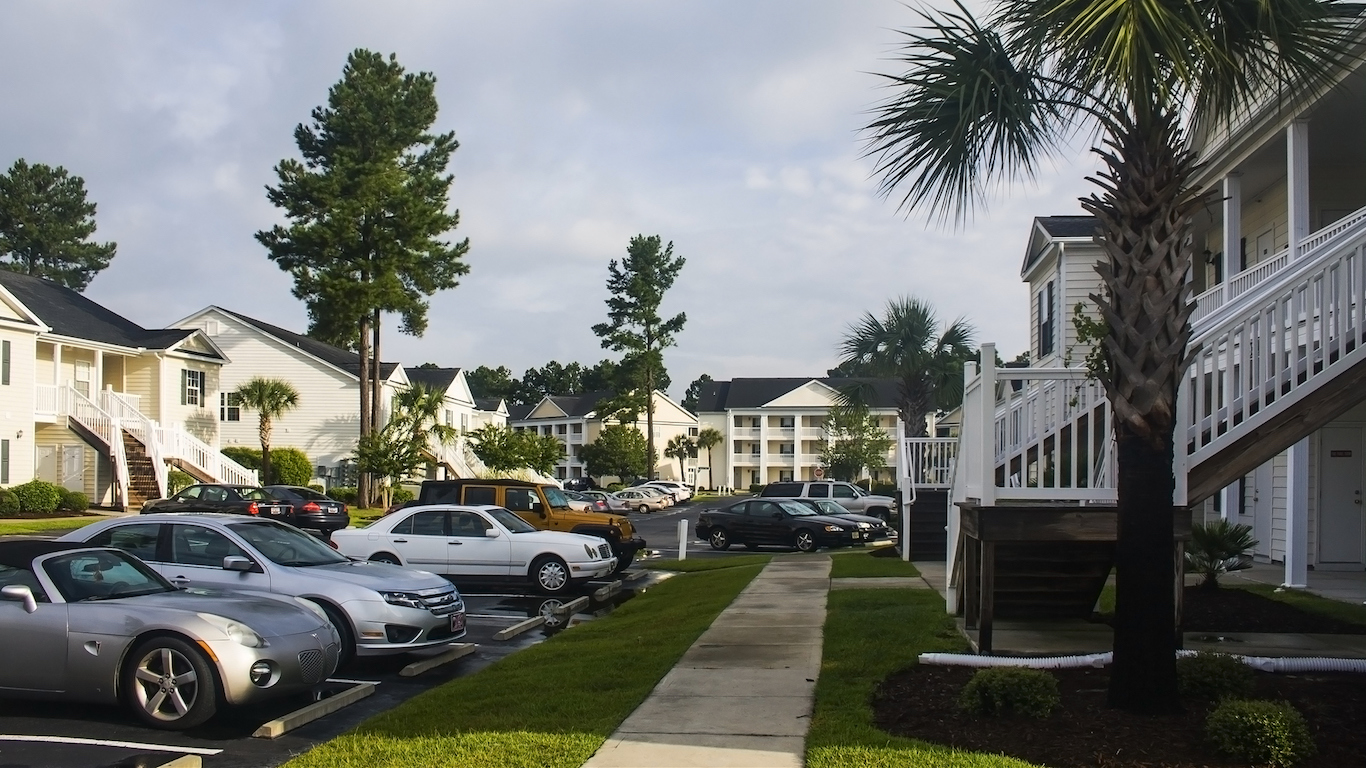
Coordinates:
707	439
982	102
680	447
270	398
906	344
406	442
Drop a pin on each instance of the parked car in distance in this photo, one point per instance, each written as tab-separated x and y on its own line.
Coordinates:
654	490
641	500
847	495
577	501
580	484
681	492
229	499
377	608
542	506
608	502
80	623
775	522
874	528
312	509
480	544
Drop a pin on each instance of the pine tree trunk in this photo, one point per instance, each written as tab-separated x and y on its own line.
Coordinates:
376	389
650	424
362	477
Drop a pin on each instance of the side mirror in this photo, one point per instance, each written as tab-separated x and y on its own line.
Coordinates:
490	533
238	563
20	592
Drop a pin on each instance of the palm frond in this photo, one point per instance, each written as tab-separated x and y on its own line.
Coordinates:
963	115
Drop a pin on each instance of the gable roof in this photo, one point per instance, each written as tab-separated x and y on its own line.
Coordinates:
488	403
344	359
520	412
439	379
1051	228
755	393
575	406
68	313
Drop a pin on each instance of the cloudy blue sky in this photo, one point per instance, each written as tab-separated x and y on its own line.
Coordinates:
730	128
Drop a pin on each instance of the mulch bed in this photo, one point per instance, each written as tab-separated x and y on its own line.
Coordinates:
921	702
1238	610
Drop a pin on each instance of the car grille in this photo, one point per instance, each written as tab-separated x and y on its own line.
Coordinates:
604	551
331	655
311	666
441	603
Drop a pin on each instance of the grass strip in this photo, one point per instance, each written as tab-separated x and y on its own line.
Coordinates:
860	563
1305	601
39	525
705	563
869	634
551	705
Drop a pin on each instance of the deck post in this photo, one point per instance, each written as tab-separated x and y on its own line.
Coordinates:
972	582
988	590
987	425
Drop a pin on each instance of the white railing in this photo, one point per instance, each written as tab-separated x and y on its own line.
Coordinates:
56	400
124	409
177	444
813	433
929	461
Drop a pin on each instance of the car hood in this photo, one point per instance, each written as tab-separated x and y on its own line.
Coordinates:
550	538
269	616
377	576
824	520
876	521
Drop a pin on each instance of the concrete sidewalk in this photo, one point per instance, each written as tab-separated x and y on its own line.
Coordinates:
742	694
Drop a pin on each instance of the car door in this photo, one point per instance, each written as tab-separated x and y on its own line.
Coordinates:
845	495
420	540
137	539
34	644
765	527
472	552
196	560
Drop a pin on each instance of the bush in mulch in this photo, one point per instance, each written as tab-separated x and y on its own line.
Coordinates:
921	702
1265	733
1214	677
1001	691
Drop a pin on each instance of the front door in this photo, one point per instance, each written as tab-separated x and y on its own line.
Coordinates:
1254	507
45	463
73	468
1341	529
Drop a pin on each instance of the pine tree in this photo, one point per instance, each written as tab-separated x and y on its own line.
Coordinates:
45	226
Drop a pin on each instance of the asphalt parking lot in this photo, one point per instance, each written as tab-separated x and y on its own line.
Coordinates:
59	735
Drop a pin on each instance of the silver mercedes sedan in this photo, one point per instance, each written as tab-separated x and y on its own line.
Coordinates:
93	624
377	608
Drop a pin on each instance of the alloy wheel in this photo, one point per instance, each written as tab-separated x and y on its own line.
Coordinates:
167	686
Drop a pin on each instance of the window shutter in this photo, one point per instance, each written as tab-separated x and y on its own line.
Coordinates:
4	362
4	462
184	386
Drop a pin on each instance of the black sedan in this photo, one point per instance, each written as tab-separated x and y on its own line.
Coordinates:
776	522
874	528
313	510
232	499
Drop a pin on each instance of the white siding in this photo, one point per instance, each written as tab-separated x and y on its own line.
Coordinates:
1081	282
17	403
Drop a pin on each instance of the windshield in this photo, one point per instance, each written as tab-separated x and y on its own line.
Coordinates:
828	507
102	575
555	497
255	494
283	545
513	523
796	508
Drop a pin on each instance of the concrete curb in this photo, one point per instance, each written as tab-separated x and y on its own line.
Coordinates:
184	761
573	605
457	651
519	628
319	709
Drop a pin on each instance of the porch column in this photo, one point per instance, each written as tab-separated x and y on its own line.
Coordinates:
1297	182
97	386
1297	516
57	364
1233	228
987	426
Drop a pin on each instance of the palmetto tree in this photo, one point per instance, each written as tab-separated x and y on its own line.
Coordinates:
681	448
270	398
707	439
907	344
986	100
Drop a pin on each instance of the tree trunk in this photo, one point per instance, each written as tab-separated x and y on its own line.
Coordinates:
263	428
362	477
1143	676
650	424
376	386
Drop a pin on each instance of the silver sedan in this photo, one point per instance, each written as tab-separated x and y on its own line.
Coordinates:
93	624
377	608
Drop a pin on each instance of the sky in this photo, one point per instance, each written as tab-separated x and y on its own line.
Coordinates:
731	128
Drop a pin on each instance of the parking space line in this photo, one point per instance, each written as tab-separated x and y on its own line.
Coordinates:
353	682
107	743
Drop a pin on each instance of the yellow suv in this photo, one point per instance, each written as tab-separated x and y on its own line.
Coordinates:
543	506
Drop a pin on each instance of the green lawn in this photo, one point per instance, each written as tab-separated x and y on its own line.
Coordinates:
870	633
705	563
860	563
1305	601
41	524
551	705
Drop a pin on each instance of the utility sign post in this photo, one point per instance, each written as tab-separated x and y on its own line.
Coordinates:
818	472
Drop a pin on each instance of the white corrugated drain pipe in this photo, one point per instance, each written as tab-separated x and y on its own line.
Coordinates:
1262	663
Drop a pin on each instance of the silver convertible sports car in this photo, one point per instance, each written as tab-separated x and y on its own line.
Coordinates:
94	624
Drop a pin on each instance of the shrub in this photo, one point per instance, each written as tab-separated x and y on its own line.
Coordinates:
1218	548
344	494
884	489
402	495
1214	677
9	503
38	497
176	480
999	691
1263	733
73	501
756	488
316	487
614	487
289	466
247	457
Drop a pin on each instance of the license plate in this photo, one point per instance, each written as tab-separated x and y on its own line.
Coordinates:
457	622
277	512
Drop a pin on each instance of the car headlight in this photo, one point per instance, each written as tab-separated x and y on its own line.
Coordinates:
834	529
592	553
865	525
235	630
405	599
314	607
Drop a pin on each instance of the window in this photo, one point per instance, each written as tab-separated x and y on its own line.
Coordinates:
560	474
190	493
561	429
450	417
481	494
1047	324
82	379
229	406
842	491
787	422
692	431
818	491
191	387
4	362
522	500
139	539
197	545
22	577
576	429
786	449
468	524
430	523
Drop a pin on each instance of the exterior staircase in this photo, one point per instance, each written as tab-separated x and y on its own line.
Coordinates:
142	474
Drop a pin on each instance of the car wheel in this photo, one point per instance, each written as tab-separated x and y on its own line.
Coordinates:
882	514
644	509
169	684
623	561
718	540
550	574
385	557
345	637
805	541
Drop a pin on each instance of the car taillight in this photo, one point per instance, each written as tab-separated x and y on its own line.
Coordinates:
252	509
312	506
344	509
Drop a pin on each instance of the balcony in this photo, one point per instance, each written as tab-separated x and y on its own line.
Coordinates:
782	459
742	433
812	458
782	433
813	433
